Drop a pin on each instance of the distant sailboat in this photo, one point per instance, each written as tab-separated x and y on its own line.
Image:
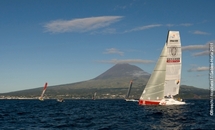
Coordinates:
60	100
164	82
43	92
128	93
94	96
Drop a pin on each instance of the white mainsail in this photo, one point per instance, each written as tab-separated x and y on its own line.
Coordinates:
94	96
173	64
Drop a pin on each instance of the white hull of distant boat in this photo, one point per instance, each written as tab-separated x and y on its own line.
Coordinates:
60	100
131	100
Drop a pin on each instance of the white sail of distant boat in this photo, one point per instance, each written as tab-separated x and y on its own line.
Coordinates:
129	90
128	93
60	100
94	96
164	82
43	92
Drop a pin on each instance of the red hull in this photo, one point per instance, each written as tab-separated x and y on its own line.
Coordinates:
148	102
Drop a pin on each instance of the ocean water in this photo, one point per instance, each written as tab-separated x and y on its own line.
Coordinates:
102	115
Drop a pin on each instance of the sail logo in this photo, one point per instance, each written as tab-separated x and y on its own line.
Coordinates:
173	40
173	51
174	36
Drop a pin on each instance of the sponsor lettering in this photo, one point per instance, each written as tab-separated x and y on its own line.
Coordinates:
170	60
173	40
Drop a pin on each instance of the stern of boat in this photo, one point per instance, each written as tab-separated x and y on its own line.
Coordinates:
171	101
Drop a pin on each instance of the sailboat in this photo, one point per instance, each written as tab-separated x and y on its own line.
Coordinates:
128	93
60	100
164	82
94	96
43	92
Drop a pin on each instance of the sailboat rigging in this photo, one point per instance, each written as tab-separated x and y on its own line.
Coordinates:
164	82
43	92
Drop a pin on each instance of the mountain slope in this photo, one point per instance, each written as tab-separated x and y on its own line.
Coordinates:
123	70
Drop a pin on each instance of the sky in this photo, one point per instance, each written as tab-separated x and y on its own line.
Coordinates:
68	41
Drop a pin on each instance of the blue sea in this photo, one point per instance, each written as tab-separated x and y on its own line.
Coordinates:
103	115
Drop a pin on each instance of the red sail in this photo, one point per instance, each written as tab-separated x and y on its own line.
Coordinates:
46	84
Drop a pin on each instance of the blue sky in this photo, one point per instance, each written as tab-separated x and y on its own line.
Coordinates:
67	41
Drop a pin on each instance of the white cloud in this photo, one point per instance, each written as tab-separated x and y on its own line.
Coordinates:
115	61
203	53
81	25
139	73
105	31
204	47
199	69
182	24
144	27
113	51
109	30
125	6
195	47
186	24
200	32
156	25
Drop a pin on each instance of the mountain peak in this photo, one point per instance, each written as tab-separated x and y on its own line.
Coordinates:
123	70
